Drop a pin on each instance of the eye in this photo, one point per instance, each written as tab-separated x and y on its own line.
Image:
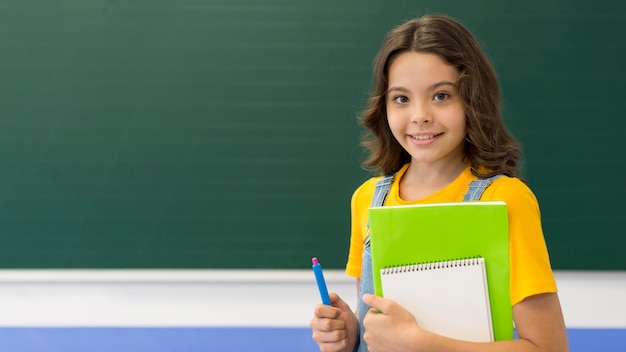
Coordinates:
400	99
441	96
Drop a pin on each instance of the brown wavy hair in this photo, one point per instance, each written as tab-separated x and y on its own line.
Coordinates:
489	148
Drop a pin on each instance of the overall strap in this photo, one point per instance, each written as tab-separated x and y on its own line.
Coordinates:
378	199
477	187
382	190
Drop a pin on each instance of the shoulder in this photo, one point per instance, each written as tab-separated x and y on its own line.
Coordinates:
512	191
363	194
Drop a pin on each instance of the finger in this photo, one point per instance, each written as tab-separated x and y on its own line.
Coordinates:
328	324
332	336
324	311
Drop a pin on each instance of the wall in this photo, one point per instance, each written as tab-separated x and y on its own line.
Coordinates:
159	134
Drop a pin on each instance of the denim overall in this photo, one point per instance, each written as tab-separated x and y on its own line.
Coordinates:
474	192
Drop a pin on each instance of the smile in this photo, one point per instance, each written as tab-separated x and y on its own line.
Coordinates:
423	137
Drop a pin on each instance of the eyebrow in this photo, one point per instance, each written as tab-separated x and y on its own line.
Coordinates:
430	88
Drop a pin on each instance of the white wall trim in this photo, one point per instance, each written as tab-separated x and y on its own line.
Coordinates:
592	299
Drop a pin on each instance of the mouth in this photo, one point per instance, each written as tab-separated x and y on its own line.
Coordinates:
424	137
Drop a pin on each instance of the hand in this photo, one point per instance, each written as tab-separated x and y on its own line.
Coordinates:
388	326
335	328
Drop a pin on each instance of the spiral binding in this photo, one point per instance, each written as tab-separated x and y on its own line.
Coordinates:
434	265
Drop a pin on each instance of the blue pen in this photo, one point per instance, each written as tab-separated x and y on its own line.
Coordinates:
321	283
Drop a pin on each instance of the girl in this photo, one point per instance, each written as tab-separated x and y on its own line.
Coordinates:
433	120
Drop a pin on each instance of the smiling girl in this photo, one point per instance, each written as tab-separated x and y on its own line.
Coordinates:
433	127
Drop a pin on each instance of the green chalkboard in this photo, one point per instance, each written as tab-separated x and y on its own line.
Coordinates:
223	134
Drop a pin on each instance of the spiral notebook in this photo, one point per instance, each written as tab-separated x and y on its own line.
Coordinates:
449	298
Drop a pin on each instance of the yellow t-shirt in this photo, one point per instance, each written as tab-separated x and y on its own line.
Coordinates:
531	273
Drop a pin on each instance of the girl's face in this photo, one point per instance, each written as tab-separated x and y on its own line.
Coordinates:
424	110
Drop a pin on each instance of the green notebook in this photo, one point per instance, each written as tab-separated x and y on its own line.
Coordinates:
404	235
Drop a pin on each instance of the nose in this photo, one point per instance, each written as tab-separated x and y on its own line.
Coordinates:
421	114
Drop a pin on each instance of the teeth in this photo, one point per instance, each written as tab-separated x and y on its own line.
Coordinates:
424	136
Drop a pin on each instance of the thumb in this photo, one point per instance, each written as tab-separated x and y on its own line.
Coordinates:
376	302
336	301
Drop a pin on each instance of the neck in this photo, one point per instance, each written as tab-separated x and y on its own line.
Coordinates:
421	180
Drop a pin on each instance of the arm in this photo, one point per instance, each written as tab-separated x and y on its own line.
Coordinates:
538	320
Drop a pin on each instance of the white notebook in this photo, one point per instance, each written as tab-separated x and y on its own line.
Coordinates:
449	298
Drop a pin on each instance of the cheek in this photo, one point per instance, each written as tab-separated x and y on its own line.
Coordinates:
395	118
394	124
458	120
463	125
